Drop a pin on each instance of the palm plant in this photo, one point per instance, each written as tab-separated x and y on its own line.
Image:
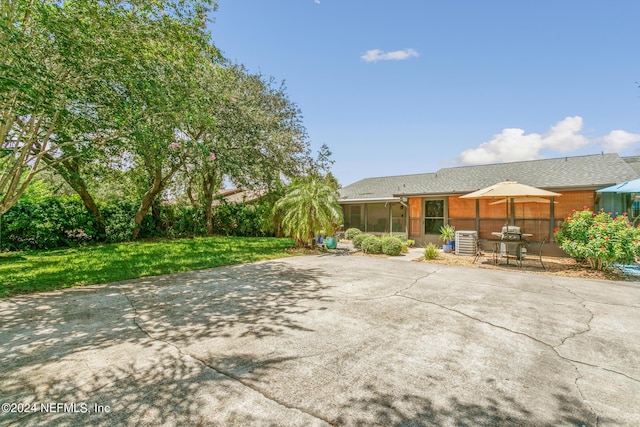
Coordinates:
309	206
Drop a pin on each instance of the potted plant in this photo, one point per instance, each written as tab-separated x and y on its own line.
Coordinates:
447	235
331	242
330	239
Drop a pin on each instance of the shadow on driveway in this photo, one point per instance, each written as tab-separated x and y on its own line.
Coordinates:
326	340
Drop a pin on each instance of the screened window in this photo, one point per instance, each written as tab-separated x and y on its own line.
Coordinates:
433	216
377	218
398	220
353	216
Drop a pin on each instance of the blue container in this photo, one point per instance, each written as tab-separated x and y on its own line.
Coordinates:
331	242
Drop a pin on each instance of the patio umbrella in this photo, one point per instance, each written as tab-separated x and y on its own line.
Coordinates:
524	200
509	190
625	187
628	187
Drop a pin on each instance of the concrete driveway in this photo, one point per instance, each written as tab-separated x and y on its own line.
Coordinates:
325	340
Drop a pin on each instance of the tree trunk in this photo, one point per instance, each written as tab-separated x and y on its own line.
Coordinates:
209	189
156	215
69	170
158	184
147	201
208	214
91	206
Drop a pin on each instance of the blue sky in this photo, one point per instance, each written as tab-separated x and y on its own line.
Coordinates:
413	86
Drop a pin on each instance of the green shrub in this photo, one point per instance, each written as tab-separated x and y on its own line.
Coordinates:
182	221
430	251
598	238
52	223
372	245
391	246
118	220
239	219
358	238
351	233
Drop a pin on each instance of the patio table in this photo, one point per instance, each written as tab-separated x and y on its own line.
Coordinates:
518	244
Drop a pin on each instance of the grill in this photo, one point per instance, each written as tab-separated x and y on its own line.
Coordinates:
511	232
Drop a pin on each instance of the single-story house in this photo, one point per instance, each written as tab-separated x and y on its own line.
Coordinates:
418	205
237	195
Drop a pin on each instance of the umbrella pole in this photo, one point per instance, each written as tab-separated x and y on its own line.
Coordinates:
509	219
513	211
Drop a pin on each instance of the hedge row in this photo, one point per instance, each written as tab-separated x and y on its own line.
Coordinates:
65	222
371	244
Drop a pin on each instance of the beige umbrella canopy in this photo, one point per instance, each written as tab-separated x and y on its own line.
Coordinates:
523	200
510	190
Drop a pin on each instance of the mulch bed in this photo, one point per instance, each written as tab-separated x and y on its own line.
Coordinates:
556	266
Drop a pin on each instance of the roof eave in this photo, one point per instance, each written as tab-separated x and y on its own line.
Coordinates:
372	200
444	193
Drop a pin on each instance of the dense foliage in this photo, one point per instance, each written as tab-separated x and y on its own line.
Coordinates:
599	238
58	222
241	219
130	100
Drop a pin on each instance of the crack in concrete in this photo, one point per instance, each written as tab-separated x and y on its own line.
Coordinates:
588	300
462	313
436	271
584	400
583	304
574	335
523	334
572	362
575	382
396	292
229	375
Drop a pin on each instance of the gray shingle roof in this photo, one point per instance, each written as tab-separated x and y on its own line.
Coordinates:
593	171
634	162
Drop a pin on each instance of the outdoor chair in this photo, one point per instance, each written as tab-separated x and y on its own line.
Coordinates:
479	250
534	249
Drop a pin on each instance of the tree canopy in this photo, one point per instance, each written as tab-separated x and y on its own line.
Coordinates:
135	92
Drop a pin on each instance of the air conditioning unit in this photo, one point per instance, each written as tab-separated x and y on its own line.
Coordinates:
465	242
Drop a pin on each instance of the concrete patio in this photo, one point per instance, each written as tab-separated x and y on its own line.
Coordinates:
325	340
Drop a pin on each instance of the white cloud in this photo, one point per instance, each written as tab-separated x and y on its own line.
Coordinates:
512	145
565	136
316	1
507	146
376	55
618	140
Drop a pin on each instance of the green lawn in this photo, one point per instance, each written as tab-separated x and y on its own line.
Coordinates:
38	271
